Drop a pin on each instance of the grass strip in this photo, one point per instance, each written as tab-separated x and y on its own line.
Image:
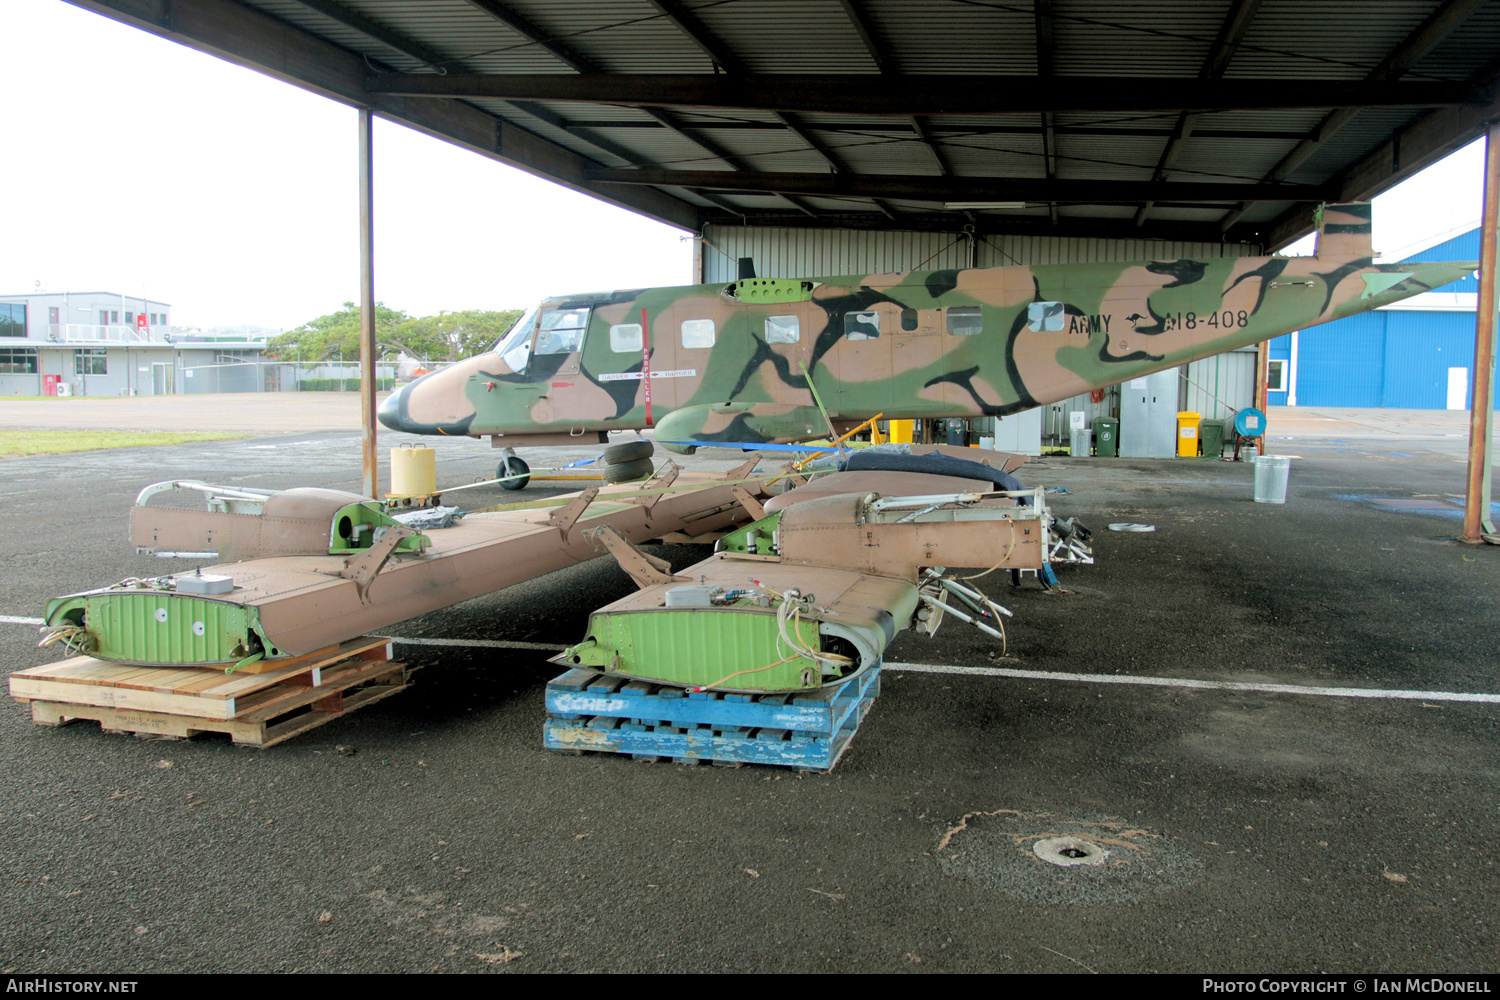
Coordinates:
17	444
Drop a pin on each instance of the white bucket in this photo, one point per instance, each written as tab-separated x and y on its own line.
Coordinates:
1271	474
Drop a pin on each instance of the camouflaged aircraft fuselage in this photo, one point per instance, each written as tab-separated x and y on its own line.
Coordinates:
732	361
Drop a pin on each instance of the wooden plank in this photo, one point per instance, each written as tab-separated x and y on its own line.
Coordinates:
121	698
208	683
300	724
181	691
266	705
265	729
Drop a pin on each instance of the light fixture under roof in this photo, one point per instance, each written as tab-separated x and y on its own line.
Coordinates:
958	206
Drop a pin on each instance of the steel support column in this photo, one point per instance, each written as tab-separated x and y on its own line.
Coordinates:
1478	525
367	354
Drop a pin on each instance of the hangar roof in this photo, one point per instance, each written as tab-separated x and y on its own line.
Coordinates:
1188	120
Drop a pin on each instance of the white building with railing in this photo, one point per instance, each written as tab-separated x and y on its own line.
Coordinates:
108	344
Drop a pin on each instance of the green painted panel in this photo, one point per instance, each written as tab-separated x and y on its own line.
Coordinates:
771	290
699	646
760	532
166	628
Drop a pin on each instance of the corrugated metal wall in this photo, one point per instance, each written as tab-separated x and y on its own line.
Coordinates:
1465	247
1217	386
808	253
1420	347
1342	363
1391	357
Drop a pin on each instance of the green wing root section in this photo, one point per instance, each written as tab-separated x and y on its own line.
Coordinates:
159	627
740	644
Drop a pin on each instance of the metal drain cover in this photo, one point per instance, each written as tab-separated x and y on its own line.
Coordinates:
1065	852
1055	858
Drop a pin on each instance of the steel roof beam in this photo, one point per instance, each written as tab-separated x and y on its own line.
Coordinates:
720	55
518	23
1046	44
945	189
1416	147
880	55
583	65
1231	33
1441	23
931	94
865	129
1067	226
500	11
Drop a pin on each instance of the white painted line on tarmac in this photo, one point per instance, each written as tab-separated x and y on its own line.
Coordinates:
1008	672
481	643
1187	682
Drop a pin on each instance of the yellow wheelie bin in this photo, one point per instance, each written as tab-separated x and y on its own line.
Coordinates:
1187	433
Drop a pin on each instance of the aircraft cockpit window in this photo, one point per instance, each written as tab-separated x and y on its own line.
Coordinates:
1046	317
965	321
697	333
515	347
561	331
783	330
625	338
862	325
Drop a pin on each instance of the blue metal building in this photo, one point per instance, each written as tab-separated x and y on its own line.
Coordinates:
1413	355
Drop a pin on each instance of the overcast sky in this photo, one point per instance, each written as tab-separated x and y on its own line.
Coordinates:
137	165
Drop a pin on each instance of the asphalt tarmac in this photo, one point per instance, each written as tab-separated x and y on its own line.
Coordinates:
1248	831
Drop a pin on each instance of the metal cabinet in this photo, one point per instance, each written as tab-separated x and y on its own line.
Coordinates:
1148	416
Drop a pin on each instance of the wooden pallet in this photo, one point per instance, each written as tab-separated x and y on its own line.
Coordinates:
258	710
808	730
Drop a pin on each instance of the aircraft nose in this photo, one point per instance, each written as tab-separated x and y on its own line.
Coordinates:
392	411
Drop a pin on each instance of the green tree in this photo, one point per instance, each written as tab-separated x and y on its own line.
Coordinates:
335	336
450	336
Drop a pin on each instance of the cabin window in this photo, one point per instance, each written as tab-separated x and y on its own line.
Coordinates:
965	321
1276	375
697	333
783	330
862	325
908	320
515	347
561	331
1046	317
625	338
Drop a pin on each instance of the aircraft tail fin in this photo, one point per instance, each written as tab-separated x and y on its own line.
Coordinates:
1344	230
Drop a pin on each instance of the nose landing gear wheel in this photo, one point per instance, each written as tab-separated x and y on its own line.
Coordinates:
513	467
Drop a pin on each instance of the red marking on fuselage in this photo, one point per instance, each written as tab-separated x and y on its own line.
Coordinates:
646	363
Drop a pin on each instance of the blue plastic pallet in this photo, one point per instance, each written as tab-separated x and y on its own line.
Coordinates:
808	730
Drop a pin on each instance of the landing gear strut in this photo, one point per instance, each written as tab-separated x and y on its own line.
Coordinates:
511	465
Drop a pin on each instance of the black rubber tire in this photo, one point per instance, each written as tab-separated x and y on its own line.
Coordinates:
513	467
627	472
628	451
